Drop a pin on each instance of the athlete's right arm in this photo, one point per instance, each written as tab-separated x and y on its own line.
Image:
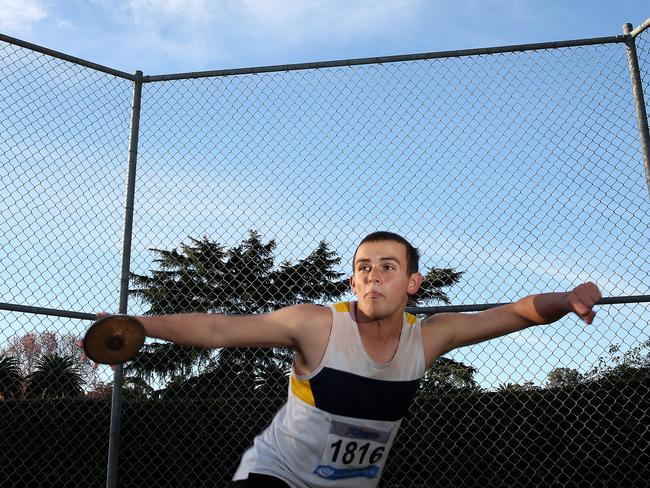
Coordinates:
288	327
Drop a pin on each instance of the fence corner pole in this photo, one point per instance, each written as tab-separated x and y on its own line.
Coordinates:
118	378
637	90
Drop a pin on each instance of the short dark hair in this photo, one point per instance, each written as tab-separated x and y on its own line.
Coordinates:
412	254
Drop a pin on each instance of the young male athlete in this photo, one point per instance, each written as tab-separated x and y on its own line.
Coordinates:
357	365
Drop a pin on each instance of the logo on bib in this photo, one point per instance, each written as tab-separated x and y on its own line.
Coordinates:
332	473
361	433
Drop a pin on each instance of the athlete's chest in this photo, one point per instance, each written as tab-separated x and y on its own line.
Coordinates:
380	349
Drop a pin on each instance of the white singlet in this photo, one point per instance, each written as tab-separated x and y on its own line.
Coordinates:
339	422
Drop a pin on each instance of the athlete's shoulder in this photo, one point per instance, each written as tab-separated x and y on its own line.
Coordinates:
436	332
437	324
410	318
308	312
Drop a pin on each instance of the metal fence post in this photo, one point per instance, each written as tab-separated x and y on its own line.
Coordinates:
637	89
116	404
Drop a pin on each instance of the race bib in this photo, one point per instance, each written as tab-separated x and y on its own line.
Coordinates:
352	451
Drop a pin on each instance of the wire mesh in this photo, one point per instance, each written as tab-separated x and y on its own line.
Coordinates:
513	173
62	156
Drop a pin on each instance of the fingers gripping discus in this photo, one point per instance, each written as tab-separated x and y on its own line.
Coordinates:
114	339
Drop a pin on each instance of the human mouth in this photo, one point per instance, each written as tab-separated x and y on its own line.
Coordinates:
374	294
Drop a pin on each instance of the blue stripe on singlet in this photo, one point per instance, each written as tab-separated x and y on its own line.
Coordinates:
342	393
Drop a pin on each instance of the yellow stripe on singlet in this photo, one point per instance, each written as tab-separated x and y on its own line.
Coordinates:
410	318
342	307
302	389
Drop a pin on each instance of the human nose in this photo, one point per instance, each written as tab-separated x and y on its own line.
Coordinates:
373	275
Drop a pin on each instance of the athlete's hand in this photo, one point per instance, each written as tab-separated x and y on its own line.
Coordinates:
582	299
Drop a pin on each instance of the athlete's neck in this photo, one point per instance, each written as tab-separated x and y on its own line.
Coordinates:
382	328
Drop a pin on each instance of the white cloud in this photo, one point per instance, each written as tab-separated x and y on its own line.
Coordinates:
152	11
549	265
339	21
291	16
63	24
204	32
314	19
18	16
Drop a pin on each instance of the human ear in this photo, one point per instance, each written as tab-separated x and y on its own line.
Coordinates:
415	281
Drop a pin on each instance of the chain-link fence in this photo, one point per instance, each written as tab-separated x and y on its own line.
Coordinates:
514	171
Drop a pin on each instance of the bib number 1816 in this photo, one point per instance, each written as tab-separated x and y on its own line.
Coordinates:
353	452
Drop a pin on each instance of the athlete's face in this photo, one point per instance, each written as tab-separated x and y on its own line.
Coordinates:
381	281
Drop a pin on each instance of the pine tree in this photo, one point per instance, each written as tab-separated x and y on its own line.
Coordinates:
205	277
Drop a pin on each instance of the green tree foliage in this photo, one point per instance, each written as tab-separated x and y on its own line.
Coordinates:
616	366
205	277
11	380
55	377
632	365
433	284
447	375
563	378
27	351
528	386
133	388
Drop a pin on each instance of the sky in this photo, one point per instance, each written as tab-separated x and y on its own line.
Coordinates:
236	143
170	36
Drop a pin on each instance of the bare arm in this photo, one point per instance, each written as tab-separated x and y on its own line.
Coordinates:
289	327
446	331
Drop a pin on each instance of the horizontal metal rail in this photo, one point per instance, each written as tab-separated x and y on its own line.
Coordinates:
322	64
388	59
485	306
330	64
67	57
11	307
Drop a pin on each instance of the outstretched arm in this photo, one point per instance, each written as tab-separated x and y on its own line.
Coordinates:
287	327
446	331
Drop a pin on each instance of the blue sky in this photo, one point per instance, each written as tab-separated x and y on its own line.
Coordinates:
559	118
163	36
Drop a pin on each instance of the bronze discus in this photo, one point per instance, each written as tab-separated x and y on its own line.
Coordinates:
114	339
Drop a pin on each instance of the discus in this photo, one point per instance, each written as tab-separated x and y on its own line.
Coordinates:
114	339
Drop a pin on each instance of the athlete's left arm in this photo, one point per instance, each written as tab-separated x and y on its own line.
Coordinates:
446	331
